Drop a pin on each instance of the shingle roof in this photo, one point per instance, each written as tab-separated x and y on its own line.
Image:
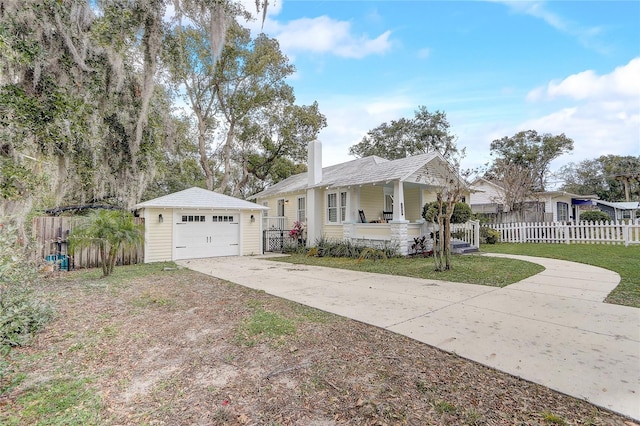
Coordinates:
361	171
198	198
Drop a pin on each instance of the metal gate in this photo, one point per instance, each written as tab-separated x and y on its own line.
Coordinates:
273	240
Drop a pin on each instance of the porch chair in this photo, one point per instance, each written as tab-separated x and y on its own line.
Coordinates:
363	219
387	216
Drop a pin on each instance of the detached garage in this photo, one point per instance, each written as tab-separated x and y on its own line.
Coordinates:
197	223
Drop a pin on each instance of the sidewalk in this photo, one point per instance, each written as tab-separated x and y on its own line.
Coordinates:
552	328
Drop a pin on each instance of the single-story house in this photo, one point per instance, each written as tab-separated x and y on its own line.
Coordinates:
369	198
197	223
620	210
488	197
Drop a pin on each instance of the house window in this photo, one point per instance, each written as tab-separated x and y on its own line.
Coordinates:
302	209
563	212
281	203
265	213
388	200
336	207
332	208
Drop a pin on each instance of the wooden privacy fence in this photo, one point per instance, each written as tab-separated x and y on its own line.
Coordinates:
50	236
570	232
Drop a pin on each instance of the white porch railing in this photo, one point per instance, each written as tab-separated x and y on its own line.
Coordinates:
403	234
275	222
468	232
567	233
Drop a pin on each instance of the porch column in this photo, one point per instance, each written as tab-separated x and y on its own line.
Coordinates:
398	200
400	236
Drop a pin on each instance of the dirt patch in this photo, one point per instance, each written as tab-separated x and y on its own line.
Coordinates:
166	349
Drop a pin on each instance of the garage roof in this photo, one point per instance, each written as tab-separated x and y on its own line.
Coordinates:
198	198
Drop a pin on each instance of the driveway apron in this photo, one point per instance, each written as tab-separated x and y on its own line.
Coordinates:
551	328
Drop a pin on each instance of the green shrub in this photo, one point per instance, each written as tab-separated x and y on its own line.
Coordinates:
461	212
489	236
594	216
371	253
326	247
21	314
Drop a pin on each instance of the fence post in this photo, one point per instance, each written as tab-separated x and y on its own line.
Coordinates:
626	234
476	234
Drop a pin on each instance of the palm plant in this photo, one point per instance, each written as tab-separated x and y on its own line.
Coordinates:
109	230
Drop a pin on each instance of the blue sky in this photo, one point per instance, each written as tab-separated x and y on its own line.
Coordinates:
493	67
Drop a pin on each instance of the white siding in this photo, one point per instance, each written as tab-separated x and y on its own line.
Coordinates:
158	236
413	208
372	202
488	194
250	233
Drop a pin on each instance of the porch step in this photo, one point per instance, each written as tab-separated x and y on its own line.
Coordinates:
460	247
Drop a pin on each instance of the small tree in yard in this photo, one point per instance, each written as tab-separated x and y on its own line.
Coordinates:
446	210
109	230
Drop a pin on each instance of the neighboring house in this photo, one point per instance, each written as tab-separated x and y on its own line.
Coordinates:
487	197
619	210
197	223
365	199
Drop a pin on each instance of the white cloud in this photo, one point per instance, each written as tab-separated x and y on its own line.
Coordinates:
587	36
623	82
326	35
424	53
321	34
601	113
351	117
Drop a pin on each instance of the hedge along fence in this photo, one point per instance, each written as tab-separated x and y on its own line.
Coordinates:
50	234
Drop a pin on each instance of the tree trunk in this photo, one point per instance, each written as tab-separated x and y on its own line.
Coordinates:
226	157
237	191
202	150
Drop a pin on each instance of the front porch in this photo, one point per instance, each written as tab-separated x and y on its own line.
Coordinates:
401	234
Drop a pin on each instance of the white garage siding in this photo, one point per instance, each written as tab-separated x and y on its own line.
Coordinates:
251	233
158	236
200	223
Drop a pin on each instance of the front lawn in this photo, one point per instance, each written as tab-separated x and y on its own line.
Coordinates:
471	269
154	345
623	260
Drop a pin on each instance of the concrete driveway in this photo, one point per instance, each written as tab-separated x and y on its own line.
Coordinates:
551	329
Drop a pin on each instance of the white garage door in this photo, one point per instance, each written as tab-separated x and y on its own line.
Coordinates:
212	234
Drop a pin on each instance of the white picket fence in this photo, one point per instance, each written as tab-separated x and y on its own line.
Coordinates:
569	232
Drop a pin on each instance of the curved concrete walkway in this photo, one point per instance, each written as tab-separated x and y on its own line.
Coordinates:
551	328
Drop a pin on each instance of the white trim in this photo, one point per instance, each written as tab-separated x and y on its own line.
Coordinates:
340	208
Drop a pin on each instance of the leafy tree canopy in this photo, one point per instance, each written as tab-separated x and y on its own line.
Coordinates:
605	177
528	150
425	132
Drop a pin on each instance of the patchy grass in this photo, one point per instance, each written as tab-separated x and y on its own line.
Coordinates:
58	401
263	325
471	269
623	260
